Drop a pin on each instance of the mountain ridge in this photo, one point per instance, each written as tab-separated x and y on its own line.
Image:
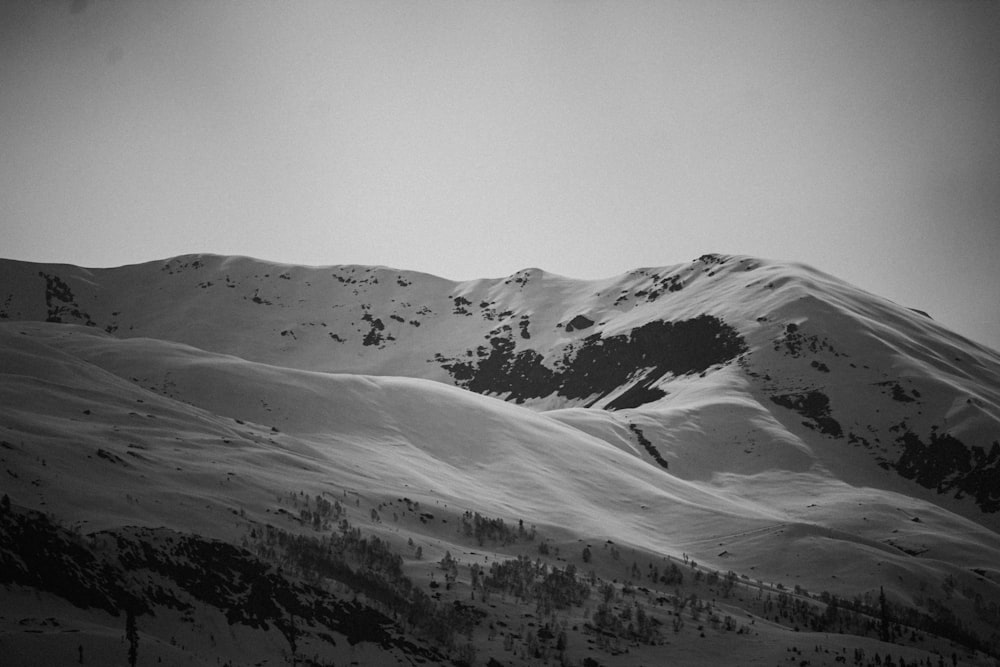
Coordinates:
760	416
638	335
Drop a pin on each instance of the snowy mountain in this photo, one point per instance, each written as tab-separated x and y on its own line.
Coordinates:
390	446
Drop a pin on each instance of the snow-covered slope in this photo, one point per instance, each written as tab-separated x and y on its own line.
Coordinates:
756	416
801	359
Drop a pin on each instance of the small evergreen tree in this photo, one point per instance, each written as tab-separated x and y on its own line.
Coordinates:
132	635
292	636
883	615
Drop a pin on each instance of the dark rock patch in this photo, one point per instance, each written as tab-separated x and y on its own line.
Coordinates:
597	366
795	343
579	323
898	393
461	304
815	407
649	446
374	335
58	292
523	323
259	300
946	464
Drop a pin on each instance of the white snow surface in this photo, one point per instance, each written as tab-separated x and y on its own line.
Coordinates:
220	381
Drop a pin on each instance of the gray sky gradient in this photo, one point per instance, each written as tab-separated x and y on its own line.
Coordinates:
473	139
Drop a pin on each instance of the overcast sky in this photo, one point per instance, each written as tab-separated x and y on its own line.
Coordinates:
474	139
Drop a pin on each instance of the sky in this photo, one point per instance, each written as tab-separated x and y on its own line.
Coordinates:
473	139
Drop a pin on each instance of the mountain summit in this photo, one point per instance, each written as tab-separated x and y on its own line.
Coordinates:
728	415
